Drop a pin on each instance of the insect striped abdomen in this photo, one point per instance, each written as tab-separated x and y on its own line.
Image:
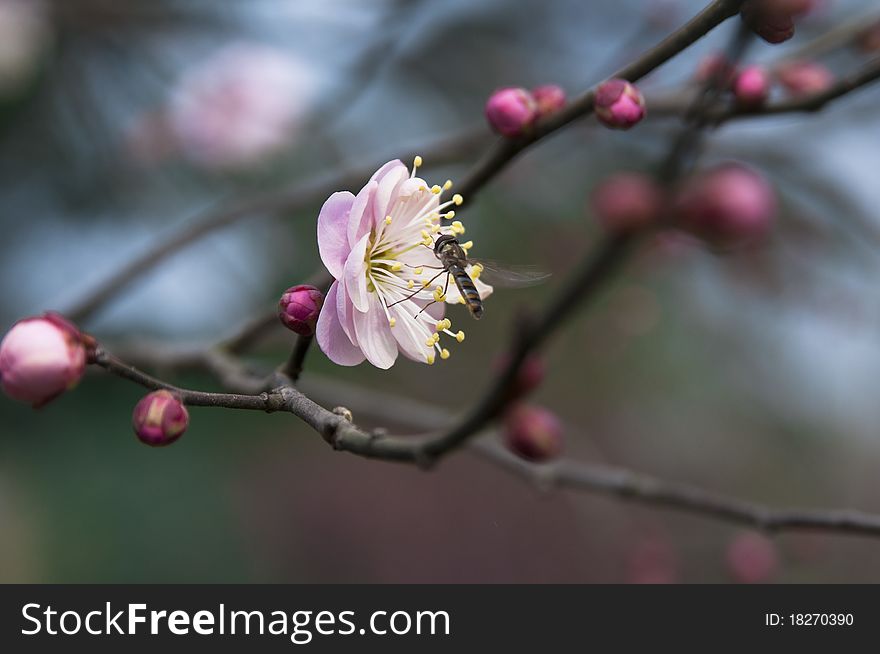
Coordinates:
467	289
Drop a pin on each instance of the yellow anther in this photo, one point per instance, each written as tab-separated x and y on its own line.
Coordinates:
457	199
438	294
427	242
396	266
444	353
430	359
444	324
387	220
459	336
423	188
429	341
425	234
436	337
477	270
450	214
410	284
435	189
392	322
467	245
425	283
438	288
417	161
447	185
419	271
435	229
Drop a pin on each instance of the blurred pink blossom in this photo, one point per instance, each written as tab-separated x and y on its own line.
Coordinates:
25	35
752	558
804	77
242	104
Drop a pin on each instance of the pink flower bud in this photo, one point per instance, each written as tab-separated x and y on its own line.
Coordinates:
549	98
627	201
511	110
752	558
533	433
728	204
805	78
619	104
773	20
713	65
159	418
40	358
752	86
299	308
531	374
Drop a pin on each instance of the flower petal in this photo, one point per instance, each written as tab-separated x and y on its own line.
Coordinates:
360	220
392	174
374	334
355	275
345	309
333	231
331	337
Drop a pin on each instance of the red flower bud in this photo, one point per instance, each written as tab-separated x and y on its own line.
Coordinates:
40	358
511	110
549	98
773	20
619	104
299	309
530	375
160	418
728	204
533	433
627	201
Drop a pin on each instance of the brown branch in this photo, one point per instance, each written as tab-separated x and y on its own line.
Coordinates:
508	149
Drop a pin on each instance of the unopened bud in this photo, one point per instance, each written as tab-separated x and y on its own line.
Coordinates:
619	104
549	98
529	376
773	20
299	309
40	358
511	110
627	202
727	205
532	432
752	86
160	418
752	558
803	78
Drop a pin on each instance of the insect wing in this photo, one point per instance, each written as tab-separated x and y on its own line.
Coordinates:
507	276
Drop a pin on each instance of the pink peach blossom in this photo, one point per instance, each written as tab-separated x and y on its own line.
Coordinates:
378	245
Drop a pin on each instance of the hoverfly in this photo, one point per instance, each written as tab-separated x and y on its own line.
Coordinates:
454	260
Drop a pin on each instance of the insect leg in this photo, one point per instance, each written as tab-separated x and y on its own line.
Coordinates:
414	293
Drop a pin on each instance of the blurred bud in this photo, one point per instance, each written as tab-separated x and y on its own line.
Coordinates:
533	433
549	98
511	110
240	105
804	78
729	204
773	20
869	39
619	104
25	36
40	358
652	560
530	375
159	418
713	66
752	558
752	86
627	201
299	308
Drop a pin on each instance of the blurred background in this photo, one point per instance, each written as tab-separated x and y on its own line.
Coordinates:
751	373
